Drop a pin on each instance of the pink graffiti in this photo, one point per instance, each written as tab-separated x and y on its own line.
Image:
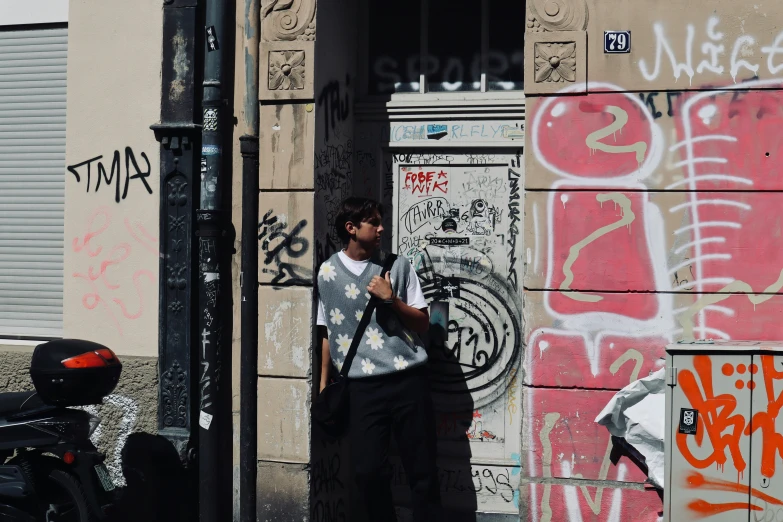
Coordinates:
426	183
598	344
80	243
105	257
148	241
700	181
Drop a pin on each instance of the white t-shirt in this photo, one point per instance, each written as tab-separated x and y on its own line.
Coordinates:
415	297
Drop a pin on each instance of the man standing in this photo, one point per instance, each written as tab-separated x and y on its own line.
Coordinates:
389	388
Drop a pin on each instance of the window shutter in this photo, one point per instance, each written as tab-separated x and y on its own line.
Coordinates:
32	181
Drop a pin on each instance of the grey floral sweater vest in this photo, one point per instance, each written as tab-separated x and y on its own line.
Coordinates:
386	345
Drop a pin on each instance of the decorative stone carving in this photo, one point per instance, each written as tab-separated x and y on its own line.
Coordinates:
175	397
286	70
555	62
309	33
533	25
558	58
286	20
559	15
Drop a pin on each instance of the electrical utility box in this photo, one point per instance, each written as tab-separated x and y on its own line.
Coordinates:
724	437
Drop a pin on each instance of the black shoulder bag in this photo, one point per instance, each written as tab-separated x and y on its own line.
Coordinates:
330	408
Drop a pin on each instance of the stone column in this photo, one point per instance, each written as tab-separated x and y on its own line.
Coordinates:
286	243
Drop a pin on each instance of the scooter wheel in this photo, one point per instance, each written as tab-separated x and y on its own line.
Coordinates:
64	499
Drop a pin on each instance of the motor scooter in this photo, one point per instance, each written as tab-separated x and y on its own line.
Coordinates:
49	469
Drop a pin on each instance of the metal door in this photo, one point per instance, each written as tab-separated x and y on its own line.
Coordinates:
458	219
766	475
709	467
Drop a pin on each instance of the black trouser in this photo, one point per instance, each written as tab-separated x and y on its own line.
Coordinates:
399	403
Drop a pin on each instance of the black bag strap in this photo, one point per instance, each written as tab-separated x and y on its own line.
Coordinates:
366	316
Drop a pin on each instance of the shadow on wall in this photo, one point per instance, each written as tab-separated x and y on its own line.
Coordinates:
331	484
156	488
332	479
455	474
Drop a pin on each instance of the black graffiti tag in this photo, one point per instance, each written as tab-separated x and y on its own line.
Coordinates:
116	169
337	106
484	341
513	229
328	511
277	243
459	481
328	489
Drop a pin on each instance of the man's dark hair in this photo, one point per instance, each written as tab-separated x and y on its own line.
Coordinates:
355	210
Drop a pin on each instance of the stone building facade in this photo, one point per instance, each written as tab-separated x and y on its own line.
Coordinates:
570	210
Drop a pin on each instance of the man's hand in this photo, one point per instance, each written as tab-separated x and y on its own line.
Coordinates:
413	318
381	288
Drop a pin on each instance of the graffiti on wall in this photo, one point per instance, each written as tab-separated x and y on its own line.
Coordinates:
707	49
375	173
93	173
491	487
117	259
732	426
454	226
330	483
334	163
336	101
112	443
453	73
460	131
646	227
283	247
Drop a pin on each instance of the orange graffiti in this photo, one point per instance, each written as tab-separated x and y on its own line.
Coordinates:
771	440
716	415
696	480
722	426
704	509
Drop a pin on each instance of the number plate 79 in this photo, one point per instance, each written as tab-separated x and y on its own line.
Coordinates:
617	42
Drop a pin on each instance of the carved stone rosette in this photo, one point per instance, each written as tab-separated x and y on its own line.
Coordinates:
286	70
555	60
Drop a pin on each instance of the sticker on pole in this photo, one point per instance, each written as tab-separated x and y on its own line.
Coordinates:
205	420
689	421
212	41
616	42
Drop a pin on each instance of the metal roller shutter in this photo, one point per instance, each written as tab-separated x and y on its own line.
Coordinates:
32	181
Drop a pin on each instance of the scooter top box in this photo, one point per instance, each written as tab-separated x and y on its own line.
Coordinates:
73	372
